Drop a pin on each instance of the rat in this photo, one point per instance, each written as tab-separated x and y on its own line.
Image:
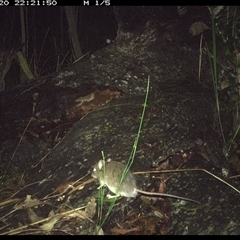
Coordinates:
111	174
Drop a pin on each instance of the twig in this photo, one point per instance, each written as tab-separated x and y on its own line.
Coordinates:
192	169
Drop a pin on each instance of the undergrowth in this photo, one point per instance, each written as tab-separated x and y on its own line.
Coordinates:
130	161
226	34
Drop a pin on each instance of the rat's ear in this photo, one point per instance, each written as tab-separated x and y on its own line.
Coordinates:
100	164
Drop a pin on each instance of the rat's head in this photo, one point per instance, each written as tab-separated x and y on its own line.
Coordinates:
97	168
100	168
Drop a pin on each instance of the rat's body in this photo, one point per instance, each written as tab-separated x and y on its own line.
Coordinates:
111	174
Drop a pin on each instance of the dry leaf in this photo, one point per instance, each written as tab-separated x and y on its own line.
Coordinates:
83	99
50	224
33	217
88	213
125	231
197	28
92	101
51	213
28	202
162	229
159	213
147	224
90	209
162	186
63	187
